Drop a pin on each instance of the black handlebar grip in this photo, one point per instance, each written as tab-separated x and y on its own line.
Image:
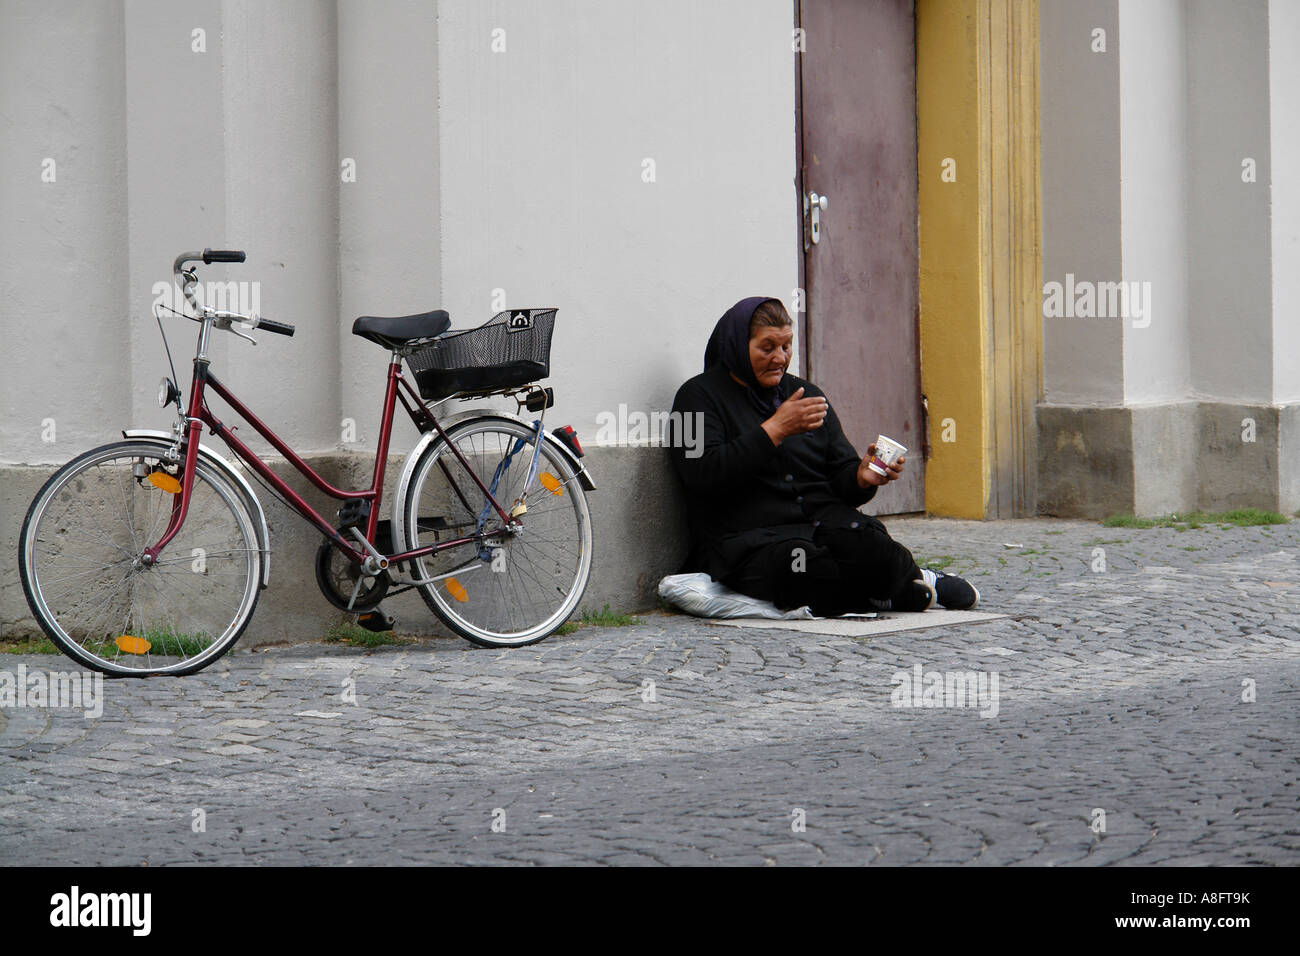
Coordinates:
222	255
280	328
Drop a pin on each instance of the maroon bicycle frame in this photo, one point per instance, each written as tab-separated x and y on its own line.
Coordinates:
199	415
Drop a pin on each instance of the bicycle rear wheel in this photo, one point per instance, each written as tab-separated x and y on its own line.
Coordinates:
79	560
515	587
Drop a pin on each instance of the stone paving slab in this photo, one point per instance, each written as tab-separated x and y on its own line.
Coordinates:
1145	715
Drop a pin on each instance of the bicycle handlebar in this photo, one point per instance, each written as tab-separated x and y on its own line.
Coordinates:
208	256
280	328
222	255
253	321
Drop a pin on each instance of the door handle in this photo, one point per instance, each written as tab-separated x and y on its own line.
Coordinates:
814	204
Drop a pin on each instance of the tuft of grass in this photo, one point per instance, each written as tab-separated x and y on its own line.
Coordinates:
604	618
1249	517
937	563
353	634
29	645
164	641
1126	521
1240	517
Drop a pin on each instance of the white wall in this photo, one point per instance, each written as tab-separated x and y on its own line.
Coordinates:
282	192
1153	189
1229	291
1195	94
162	148
1083	359
63	244
1284	132
475	171
542	192
389	221
176	181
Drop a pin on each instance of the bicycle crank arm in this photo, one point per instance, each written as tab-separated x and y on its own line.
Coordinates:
356	589
375	563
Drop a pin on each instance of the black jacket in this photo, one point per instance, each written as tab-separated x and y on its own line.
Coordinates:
744	492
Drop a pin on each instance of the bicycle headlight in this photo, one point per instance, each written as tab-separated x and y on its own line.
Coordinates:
167	392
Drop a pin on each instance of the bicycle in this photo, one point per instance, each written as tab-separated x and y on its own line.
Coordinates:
147	556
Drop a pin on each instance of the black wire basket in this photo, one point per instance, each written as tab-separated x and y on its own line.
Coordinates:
510	349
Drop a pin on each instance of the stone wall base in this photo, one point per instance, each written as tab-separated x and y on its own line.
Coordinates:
638	531
1159	459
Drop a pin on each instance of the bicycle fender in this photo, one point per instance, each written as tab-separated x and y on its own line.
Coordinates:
429	437
222	464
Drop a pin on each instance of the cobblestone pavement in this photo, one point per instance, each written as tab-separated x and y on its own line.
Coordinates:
1120	690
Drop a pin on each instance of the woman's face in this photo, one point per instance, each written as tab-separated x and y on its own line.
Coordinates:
769	353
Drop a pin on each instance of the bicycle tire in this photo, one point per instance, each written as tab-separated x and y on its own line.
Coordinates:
552	552
173	613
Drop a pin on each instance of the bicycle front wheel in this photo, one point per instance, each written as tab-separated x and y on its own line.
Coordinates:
509	587
81	568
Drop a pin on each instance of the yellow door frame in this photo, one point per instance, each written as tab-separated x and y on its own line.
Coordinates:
980	270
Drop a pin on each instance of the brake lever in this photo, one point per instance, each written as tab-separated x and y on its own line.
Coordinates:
224	321
242	335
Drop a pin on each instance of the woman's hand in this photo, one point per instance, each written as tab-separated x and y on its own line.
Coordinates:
868	477
796	416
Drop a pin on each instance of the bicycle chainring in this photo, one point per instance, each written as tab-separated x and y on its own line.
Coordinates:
336	576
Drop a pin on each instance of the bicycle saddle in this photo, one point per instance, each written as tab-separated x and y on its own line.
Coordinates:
396	331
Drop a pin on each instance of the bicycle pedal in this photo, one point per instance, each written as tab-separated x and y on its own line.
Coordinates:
376	621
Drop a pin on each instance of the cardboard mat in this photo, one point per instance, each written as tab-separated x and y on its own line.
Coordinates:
867	625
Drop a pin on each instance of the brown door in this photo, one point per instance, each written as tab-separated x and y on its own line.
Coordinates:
857	110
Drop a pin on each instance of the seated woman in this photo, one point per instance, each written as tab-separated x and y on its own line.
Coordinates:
774	490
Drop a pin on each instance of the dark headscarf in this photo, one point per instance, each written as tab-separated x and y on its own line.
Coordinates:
729	347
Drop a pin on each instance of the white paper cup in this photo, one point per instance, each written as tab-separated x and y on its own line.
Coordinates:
888	451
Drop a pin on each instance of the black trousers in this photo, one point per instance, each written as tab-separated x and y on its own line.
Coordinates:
839	570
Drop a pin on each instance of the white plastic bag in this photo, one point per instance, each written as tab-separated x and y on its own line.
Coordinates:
702	596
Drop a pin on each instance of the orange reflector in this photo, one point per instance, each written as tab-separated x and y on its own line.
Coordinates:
132	645
551	483
160	479
457	590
